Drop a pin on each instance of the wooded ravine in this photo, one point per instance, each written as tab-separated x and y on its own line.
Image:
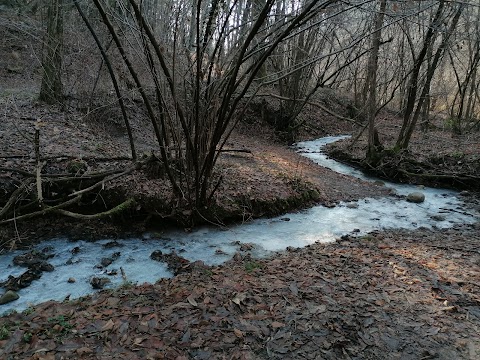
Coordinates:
121	118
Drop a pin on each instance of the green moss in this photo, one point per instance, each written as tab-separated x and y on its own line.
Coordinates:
62	321
27	337
4	332
28	311
252	265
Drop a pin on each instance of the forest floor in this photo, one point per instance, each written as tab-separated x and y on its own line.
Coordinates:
388	295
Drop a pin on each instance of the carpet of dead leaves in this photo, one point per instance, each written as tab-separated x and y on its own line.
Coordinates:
388	295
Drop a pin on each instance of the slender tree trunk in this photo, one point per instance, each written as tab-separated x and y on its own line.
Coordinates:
373	142
112	77
51	90
430	72
413	83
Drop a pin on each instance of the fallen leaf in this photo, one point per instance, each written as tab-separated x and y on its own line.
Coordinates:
239	298
84	350
192	300
293	288
449	308
277	324
238	333
138	341
108	326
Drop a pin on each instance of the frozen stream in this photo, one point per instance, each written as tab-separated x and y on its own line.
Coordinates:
441	209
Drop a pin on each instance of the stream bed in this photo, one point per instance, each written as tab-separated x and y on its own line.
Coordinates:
77	262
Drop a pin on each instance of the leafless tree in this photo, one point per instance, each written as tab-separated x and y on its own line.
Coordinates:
51	90
199	88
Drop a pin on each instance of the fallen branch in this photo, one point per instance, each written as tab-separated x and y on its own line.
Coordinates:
236	150
38	163
15	195
44	211
458	212
64	176
314	103
452	177
103	181
19	171
116	210
60	157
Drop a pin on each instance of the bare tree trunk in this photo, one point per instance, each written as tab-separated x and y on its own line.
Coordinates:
413	83
113	78
430	72
51	90
373	141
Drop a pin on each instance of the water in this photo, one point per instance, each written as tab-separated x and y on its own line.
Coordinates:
441	209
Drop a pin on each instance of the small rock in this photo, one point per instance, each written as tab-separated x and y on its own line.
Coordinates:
106	261
9	296
285	219
198	265
416	197
44	266
220	252
75	250
438	217
31	258
247	247
111	244
99	283
22	281
71	280
175	263
352	205
379	183
157	255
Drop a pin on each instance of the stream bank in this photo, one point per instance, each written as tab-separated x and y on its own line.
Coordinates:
57	261
386	295
436	157
396	294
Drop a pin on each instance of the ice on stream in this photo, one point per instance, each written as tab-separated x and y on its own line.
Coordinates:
215	245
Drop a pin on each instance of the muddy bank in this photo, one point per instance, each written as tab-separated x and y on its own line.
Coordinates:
269	180
435	157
